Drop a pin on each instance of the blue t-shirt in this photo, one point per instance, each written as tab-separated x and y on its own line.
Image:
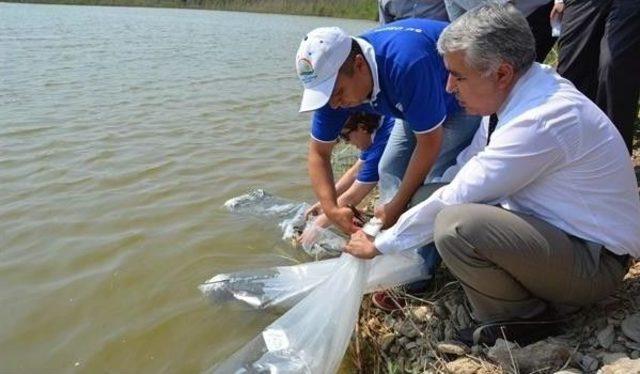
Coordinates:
370	157
411	78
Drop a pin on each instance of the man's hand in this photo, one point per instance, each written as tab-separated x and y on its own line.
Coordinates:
343	218
557	11
388	213
361	246
309	236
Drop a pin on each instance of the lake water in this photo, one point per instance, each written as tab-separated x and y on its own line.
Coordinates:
122	133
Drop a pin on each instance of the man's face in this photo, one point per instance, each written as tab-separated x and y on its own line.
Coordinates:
351	91
478	94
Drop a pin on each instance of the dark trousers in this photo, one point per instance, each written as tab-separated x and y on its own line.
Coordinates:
540	26
600	53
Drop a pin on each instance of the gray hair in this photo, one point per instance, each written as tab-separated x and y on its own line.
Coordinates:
489	35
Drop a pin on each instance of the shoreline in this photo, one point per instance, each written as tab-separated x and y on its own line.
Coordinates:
350	9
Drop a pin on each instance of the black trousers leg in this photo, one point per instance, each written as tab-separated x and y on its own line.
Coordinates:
541	29
619	73
583	25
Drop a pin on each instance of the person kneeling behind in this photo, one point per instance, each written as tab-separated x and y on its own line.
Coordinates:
369	133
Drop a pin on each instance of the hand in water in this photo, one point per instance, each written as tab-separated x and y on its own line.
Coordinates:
360	245
310	235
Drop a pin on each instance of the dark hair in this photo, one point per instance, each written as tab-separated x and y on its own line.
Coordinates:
347	65
370	122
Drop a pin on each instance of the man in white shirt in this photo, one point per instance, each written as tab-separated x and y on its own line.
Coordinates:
544	210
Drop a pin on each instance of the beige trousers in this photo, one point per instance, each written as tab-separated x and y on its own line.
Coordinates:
513	265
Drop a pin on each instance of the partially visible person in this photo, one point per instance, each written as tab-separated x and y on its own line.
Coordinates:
599	51
536	12
543	210
395	10
369	133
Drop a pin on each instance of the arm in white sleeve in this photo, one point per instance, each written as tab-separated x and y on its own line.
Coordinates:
517	157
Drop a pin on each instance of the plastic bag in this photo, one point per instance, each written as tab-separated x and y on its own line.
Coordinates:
261	204
313	336
321	242
280	288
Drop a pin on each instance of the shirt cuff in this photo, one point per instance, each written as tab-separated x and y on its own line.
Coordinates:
558	1
384	243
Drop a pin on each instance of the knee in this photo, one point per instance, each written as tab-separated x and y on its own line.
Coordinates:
447	229
457	225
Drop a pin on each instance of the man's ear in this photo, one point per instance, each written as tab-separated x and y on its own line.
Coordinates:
506	75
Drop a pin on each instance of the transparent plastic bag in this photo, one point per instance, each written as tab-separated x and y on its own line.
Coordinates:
276	288
313	336
321	242
280	288
291	215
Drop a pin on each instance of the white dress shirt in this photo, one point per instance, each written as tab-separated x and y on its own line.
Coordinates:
554	155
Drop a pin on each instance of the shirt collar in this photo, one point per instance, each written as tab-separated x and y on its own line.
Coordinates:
370	56
518	90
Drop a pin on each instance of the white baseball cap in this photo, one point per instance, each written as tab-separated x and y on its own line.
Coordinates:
318	60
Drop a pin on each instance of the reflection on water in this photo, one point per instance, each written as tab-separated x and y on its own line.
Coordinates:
123	131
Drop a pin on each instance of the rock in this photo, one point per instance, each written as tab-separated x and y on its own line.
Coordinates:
623	365
467	365
476	350
588	363
410	345
440	310
612	357
386	340
533	357
403	341
617	348
408	329
606	337
631	327
451	306
448	330
453	348
569	371
395	349
463	317
420	314
632	345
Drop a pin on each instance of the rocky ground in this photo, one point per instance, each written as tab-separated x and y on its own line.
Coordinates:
604	338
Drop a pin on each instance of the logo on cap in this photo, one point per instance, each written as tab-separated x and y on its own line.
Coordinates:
305	71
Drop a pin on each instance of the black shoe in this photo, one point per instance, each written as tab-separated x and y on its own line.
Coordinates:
523	332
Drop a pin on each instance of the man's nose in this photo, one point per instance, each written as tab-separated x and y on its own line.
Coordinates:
450	87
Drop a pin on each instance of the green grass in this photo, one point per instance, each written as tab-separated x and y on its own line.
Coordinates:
360	9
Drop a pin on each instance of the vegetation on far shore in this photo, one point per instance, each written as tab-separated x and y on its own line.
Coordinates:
359	9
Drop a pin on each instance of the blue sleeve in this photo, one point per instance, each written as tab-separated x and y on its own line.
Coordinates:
423	96
368	172
327	123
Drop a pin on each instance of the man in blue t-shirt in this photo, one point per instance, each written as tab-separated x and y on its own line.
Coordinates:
395	71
